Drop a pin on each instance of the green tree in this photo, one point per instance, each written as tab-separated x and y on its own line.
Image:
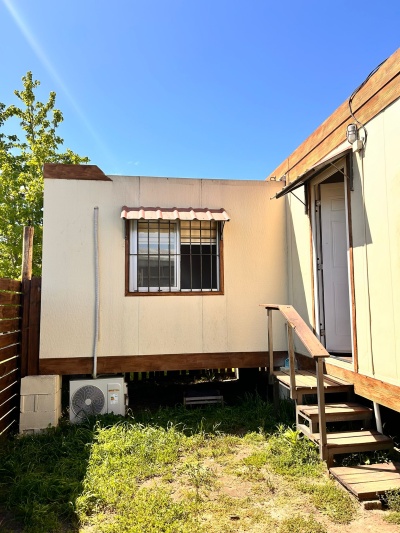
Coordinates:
22	156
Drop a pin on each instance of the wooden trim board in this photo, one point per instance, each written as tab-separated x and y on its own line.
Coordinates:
371	388
382	89
150	363
73	172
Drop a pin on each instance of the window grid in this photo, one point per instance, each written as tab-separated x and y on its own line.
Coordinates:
202	277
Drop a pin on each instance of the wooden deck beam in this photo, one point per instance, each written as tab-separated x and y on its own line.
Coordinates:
161	362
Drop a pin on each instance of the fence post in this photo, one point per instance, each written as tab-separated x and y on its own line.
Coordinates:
27	253
26	272
34	326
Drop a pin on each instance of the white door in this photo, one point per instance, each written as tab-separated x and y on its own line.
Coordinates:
335	268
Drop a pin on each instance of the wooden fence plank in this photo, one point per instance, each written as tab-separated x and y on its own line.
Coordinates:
9	311
9	338
10	298
10	285
10	401
9	366
10	351
6	326
9	391
9	419
8	379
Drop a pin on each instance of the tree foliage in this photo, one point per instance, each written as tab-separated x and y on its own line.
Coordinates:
22	156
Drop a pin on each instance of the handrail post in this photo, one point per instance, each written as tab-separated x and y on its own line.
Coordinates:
292	369
270	347
321	408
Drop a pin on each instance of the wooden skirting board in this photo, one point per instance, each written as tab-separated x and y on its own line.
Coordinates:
150	363
371	388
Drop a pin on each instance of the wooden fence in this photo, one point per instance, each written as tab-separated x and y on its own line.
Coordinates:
19	344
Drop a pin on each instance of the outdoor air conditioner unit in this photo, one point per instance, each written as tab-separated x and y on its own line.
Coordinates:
96	397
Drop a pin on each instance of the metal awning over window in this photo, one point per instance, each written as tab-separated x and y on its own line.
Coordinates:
313	172
174	213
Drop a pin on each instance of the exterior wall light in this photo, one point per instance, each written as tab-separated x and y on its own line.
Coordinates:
351	133
352	137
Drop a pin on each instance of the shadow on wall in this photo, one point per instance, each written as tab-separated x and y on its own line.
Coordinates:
297	277
361	232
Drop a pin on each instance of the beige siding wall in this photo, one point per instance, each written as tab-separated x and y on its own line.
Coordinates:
375	209
254	259
376	231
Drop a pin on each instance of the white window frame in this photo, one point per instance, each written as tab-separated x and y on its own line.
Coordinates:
133	260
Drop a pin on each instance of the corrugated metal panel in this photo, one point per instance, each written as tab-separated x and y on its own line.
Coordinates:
174	213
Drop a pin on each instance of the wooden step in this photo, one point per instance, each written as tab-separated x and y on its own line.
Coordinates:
353	442
334	412
306	382
367	482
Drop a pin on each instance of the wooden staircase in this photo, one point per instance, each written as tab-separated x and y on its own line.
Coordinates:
312	418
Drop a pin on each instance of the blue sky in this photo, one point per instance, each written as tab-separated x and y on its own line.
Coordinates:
193	88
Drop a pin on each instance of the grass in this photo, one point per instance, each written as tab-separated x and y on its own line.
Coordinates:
176	470
392	499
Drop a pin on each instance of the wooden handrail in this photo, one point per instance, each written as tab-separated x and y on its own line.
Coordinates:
303	332
295	324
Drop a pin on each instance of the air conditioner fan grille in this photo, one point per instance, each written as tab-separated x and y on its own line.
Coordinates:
87	400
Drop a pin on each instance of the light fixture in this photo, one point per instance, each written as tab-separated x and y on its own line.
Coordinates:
352	133
352	137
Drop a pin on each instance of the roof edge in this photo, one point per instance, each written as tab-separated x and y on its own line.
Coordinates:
61	171
381	90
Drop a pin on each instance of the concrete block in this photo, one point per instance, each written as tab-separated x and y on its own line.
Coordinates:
38	420
372	505
47	402
27	403
40	385
28	432
31	431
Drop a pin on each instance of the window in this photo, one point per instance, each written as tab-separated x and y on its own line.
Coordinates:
174	256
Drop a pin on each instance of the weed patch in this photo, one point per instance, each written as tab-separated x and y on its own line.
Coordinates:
392	500
290	454
330	500
300	524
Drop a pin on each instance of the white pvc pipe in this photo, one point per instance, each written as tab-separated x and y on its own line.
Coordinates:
96	288
378	419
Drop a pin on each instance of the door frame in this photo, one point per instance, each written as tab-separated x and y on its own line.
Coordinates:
315	225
